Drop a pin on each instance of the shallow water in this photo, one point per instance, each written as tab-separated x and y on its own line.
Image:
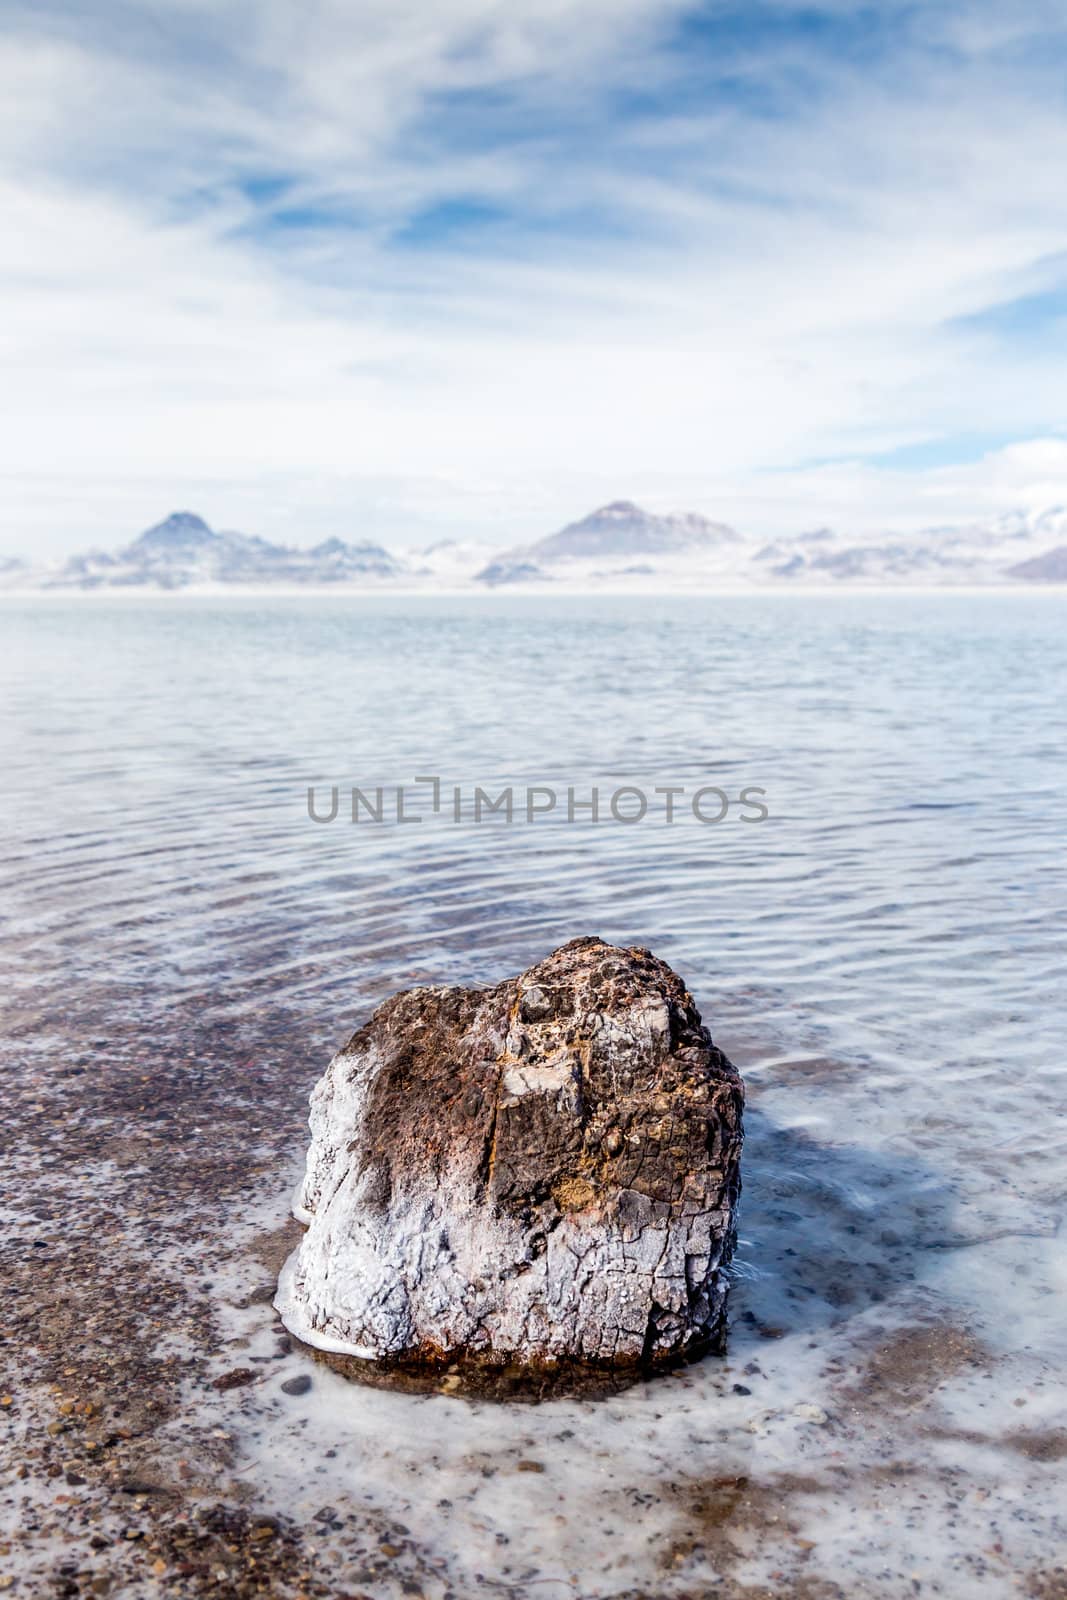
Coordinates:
883	957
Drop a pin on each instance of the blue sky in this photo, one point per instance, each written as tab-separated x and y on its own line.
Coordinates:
465	267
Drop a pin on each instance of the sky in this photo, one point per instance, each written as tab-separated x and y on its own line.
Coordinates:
412	269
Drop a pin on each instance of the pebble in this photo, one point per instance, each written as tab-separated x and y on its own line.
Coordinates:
235	1379
298	1385
810	1413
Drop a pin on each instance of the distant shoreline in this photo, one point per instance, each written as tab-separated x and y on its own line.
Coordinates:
528	591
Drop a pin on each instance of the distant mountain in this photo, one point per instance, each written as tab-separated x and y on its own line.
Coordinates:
615	533
620	547
182	530
968	553
896	562
1049	568
184	552
623	529
339	561
497	573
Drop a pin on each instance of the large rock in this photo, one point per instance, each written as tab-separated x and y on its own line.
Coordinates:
541	1172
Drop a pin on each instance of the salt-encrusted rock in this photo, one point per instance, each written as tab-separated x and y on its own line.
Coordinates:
542	1172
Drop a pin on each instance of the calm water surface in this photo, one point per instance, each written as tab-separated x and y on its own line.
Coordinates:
883	956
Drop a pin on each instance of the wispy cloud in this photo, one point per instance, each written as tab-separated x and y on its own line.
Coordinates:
405	267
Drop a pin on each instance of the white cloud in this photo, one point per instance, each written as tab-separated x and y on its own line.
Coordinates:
683	305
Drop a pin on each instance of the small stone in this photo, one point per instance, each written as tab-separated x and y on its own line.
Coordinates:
811	1413
235	1379
529	1466
389	1550
298	1385
741	1388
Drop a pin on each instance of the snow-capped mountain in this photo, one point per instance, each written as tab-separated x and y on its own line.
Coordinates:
1049	568
184	552
623	529
619	540
969	553
619	547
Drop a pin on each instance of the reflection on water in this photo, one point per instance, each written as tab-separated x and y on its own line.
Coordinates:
883	957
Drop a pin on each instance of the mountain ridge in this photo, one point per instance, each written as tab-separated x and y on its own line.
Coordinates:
620	545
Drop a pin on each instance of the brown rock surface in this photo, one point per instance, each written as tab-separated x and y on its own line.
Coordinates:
545	1171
